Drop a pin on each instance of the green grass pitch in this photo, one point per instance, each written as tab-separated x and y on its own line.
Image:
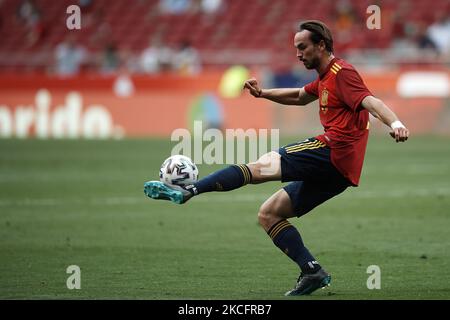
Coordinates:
81	203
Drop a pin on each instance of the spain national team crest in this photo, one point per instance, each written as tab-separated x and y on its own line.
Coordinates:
324	100
324	97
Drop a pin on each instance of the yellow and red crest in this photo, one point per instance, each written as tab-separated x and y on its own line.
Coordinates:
324	97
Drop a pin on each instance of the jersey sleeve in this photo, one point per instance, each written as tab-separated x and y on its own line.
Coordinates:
312	88
350	88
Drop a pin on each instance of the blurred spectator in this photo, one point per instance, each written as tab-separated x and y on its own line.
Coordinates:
174	6
109	59
211	6
439	32
129	61
288	74
29	14
345	20
398	19
69	57
157	57
85	4
406	46
405	25
423	39
187	59
26	10
285	78
345	15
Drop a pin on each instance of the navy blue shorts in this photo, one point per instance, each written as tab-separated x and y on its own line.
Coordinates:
314	178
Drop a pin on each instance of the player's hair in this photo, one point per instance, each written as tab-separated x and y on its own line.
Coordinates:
319	31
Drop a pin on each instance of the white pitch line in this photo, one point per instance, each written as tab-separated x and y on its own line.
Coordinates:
217	197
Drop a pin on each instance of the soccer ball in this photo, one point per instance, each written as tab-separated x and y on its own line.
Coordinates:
178	170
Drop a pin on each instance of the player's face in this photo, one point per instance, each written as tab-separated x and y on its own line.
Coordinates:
307	52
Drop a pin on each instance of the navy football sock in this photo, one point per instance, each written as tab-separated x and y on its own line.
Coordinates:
286	237
227	179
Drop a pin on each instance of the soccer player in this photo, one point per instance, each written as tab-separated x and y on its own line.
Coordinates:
317	168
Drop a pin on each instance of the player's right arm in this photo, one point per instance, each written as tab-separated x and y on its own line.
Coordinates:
287	96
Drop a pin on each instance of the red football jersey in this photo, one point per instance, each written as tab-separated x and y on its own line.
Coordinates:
340	90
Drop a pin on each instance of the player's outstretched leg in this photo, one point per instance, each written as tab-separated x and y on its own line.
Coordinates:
272	217
267	168
226	179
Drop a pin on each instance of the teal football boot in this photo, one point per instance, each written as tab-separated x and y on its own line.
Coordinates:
161	191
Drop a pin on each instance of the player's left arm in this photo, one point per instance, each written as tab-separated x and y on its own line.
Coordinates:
379	110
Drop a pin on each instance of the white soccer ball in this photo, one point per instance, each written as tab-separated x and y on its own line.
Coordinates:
178	170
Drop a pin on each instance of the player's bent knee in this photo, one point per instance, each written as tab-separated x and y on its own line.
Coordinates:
266	168
267	215
264	218
274	209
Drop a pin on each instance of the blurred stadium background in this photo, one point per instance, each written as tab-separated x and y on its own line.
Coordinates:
140	60
103	101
